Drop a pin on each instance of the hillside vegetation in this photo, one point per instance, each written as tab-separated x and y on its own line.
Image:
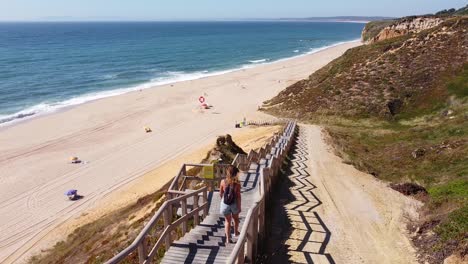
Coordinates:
453	12
398	109
396	78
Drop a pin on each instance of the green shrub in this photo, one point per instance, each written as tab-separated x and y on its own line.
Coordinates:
459	85
454	190
455	227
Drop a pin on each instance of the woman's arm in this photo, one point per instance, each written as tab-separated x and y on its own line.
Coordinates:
239	199
221	189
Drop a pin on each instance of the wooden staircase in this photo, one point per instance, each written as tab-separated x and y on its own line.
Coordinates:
206	242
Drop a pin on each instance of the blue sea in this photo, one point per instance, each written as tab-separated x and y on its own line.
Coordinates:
48	66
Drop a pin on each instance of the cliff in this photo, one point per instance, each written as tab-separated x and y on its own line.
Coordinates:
388	79
406	26
373	28
390	28
397	109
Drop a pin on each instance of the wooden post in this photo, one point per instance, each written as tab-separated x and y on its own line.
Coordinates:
184	212
252	238
142	251
167	222
261	154
249	243
267	176
255	237
217	171
196	217
261	224
270	184
241	257
176	182
277	165
169	197
205	200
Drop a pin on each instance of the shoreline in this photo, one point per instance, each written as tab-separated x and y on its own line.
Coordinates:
107	135
30	114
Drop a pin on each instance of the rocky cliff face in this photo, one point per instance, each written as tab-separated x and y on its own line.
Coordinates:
406	26
383	79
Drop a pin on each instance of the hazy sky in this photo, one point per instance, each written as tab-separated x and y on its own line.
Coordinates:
212	9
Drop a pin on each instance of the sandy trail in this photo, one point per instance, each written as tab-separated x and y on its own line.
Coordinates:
108	136
341	215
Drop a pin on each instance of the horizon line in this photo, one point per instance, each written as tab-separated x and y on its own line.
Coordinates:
356	19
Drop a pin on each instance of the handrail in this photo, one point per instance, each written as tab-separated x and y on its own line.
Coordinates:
139	240
240	244
188	195
269	122
169	228
252	227
176	179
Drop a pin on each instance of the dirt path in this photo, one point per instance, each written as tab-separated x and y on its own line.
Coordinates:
338	214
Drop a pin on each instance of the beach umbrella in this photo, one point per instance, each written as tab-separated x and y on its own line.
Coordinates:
71	192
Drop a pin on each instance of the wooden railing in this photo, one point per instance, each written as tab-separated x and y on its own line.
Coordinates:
165	213
179	183
270	122
253	230
178	194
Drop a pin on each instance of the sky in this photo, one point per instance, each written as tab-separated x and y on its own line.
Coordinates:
94	10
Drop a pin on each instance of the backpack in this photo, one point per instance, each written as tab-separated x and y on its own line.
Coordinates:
229	194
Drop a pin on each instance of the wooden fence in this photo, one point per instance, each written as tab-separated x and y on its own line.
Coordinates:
270	122
165	213
253	230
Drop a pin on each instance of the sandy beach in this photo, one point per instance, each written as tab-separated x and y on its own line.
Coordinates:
108	136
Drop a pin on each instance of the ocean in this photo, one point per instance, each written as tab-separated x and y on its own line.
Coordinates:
48	66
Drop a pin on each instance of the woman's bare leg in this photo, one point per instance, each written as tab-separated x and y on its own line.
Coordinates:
227	227
236	223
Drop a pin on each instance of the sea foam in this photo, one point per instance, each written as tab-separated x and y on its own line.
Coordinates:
50	107
258	61
170	77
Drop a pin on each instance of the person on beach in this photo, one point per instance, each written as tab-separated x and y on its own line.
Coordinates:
230	192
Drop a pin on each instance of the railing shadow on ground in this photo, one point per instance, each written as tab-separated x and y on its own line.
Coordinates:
298	233
275	251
